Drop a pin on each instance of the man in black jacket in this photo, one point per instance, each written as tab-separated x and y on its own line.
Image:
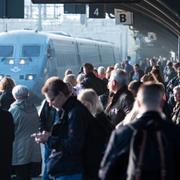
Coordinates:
91	81
69	135
115	162
121	100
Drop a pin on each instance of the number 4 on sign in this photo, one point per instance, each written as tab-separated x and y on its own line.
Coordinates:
96	11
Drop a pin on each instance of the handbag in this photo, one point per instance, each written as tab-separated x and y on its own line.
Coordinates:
53	164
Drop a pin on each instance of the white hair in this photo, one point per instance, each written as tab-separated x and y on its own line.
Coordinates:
117	66
176	88
20	92
70	78
101	70
120	76
90	96
80	77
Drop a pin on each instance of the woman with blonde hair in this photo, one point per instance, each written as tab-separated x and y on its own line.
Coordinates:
90	99
99	131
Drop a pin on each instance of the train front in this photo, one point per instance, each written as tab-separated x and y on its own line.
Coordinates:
22	58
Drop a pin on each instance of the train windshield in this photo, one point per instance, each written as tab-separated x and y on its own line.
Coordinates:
31	51
6	51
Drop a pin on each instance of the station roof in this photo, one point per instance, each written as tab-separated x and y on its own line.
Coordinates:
164	12
174	5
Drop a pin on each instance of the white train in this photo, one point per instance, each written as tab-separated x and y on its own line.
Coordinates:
31	57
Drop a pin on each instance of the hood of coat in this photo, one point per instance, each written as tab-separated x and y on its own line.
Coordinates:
25	105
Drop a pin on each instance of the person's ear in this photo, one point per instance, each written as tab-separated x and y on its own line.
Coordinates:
114	83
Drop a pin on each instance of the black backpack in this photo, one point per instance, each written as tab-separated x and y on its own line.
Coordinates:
149	153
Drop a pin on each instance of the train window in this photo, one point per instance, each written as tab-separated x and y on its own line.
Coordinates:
66	53
89	53
6	51
31	51
107	54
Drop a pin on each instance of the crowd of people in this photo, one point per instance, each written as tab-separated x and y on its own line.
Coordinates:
85	122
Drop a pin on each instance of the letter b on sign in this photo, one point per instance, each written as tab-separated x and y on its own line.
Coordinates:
122	18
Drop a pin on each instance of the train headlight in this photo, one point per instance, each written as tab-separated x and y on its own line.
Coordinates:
30	77
11	61
22	61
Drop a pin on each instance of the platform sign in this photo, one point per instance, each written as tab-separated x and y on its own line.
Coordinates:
123	17
96	11
11	8
74	9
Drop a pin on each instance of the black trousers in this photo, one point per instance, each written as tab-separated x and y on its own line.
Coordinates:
23	172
